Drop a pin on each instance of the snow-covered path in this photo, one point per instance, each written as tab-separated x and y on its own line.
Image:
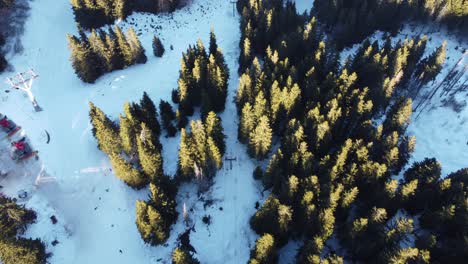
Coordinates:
95	210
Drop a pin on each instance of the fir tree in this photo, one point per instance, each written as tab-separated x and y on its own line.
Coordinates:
150	224
182	256
215	130
158	48
149	154
264	251
104	130
138	52
124	47
84	61
127	173
167	117
260	139
149	114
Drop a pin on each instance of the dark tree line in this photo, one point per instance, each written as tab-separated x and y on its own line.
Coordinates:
332	174
97	13
3	61
6	3
351	21
134	150
101	52
14	249
203	81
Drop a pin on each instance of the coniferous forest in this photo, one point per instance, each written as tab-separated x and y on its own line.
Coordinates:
350	21
96	13
5	5
14	220
342	140
323	109
101	52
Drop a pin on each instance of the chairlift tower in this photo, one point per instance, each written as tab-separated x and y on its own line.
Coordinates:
233	2
23	81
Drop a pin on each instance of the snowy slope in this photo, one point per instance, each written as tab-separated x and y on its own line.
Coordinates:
96	211
303	5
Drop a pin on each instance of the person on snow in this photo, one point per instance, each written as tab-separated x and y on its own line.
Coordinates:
6	124
20	149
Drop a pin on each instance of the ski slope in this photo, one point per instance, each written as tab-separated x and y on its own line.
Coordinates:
96	211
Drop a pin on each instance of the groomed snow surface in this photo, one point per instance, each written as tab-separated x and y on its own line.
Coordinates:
96	211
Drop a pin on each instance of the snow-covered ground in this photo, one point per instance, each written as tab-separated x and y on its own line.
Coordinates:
303	5
96	211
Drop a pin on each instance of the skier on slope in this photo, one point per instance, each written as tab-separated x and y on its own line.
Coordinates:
20	149
6	124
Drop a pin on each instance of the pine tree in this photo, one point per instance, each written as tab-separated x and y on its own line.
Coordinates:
274	218
213	45
121	9
260	139
185	163
182	256
84	61
22	251
430	67
127	135
127	173
105	131
149	114
149	154
167	117
158	48
138	52
264	251
150	224
247	123
214	129
124	47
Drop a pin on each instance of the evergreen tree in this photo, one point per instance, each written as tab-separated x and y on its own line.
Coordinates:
105	131
167	117
215	130
121	9
14	219
260	139
149	154
150	224
124	47
182	256
22	251
84	61
185	163
158	48
213	45
264	251
138	52
149	114
127	173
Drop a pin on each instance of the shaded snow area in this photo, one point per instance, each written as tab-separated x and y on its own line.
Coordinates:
440	117
96	211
